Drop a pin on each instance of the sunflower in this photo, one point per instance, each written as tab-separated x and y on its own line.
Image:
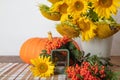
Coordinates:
104	8
68	17
77	7
104	30
60	6
65	17
87	29
68	29
42	67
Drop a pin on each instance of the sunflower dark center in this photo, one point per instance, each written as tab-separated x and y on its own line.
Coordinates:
79	5
63	8
105	3
84	26
43	67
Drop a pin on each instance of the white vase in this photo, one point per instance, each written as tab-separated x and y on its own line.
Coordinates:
100	47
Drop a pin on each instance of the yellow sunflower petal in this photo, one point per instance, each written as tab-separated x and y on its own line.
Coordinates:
104	31
42	67
77	7
60	6
45	11
104	8
87	29
67	30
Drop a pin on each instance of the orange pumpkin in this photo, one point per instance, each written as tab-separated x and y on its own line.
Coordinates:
34	46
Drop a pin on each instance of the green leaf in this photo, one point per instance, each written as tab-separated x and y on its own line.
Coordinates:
112	75
92	15
44	53
71	46
87	55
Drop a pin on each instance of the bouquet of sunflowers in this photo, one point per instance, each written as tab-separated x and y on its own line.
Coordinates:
87	19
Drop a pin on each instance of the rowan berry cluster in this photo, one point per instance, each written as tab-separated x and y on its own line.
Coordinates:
56	43
86	71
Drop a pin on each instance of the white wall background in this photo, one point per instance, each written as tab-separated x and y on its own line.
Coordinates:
21	20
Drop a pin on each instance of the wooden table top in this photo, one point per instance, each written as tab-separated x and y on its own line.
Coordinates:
20	71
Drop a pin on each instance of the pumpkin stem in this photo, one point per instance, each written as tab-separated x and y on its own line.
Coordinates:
50	36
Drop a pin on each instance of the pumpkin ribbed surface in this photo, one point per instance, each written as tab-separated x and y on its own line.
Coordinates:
31	48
